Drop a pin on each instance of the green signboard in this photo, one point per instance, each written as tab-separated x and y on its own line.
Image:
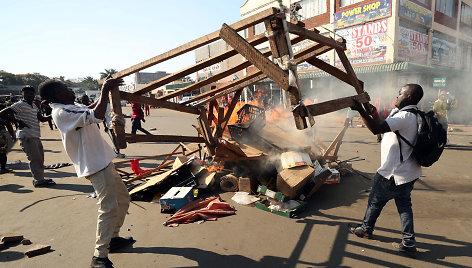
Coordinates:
439	82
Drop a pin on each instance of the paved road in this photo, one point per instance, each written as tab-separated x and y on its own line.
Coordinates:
64	218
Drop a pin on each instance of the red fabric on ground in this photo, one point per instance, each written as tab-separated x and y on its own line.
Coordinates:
207	209
135	167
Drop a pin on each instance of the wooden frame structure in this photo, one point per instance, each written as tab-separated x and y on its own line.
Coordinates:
282	71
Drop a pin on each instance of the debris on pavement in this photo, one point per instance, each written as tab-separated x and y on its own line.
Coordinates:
207	209
37	250
9	237
244	198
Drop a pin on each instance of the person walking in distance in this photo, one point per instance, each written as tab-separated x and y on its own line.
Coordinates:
136	116
395	178
92	158
26	115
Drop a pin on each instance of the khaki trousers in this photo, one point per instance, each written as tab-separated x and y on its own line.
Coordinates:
35	153
113	201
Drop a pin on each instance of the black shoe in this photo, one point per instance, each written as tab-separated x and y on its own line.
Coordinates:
101	263
120	242
357	230
410	251
43	183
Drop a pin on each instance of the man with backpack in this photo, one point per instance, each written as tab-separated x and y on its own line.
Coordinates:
399	169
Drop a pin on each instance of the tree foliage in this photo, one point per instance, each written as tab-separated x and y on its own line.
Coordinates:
107	72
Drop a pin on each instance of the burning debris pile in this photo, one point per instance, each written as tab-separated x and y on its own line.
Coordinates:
255	155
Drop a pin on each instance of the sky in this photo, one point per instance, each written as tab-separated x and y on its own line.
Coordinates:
82	38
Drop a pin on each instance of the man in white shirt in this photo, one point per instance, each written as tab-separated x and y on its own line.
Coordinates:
398	170
27	116
92	158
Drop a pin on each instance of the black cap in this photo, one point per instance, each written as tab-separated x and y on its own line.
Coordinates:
30	88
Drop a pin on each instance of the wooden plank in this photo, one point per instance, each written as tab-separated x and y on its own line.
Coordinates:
119	129
352	76
333	105
230	87
199	42
230	110
162	138
245	81
269	68
159	103
194	68
335	144
143	158
332	71
205	126
302	31
219	76
219	124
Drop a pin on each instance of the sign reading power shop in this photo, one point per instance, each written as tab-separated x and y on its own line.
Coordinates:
361	14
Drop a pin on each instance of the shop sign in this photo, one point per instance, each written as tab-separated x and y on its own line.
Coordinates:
443	53
365	43
215	68
412	46
364	13
415	12
439	82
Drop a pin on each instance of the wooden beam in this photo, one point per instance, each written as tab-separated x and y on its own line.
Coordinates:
159	103
217	77
335	144
199	42
302	31
219	124
332	71
194	68
119	129
352	75
253	55
162	138
332	105
207	135
245	81
241	82
230	110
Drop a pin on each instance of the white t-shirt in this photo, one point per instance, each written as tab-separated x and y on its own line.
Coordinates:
407	125
82	140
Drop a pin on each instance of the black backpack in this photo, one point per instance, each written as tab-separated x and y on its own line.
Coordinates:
431	139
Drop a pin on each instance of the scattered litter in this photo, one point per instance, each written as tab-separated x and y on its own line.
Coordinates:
208	209
9	237
277	205
229	183
26	241
92	195
244	198
37	250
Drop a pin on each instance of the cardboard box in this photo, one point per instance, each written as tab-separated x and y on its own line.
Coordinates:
246	185
275	195
176	198
290	181
335	177
289	213
295	159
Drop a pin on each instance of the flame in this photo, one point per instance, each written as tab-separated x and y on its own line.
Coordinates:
214	168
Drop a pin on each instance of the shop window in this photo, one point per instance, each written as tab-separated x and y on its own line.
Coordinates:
349	2
466	15
311	8
447	7
465	58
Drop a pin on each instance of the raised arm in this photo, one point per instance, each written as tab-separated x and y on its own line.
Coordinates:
373	121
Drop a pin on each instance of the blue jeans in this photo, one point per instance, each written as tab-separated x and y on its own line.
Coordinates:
382	191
